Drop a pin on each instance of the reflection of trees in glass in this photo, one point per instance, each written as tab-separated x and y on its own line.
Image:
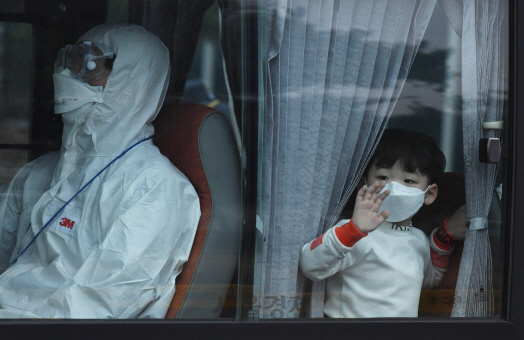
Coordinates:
428	119
420	117
430	66
430	102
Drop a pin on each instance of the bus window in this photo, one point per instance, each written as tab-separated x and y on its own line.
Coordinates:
16	78
331	88
308	89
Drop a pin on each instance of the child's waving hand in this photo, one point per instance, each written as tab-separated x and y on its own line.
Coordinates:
365	214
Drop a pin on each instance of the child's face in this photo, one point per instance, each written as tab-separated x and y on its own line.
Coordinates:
410	179
397	174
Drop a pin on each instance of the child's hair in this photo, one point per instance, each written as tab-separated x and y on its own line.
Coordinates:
414	150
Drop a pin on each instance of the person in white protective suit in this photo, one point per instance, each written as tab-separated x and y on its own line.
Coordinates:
115	249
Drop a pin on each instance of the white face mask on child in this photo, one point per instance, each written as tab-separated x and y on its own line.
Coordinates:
402	201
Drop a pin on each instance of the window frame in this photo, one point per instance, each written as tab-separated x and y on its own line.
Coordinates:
511	326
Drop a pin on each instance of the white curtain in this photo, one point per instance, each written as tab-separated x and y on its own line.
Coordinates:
334	71
483	26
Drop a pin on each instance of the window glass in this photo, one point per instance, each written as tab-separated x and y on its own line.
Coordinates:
11	161
16	57
308	88
208	288
16	76
331	88
206	84
7	6
431	103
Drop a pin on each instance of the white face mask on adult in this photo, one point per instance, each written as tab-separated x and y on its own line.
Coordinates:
72	94
402	202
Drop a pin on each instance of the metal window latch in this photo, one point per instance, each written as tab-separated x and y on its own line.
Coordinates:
489	150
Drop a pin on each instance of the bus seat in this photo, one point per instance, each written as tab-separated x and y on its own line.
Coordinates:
199	141
451	196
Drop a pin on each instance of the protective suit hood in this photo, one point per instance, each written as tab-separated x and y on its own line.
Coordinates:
131	99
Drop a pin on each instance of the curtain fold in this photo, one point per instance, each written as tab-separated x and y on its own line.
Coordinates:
335	70
484	31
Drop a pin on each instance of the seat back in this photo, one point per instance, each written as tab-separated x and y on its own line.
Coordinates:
199	141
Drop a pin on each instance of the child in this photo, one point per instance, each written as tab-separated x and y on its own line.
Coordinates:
376	263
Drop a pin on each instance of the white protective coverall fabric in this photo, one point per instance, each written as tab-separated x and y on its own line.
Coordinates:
379	276
133	226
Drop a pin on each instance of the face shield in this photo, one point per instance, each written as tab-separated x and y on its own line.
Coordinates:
87	61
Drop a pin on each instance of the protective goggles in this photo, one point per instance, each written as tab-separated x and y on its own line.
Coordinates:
86	61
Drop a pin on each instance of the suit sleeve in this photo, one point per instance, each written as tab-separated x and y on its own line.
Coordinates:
11	208
17	199
339	248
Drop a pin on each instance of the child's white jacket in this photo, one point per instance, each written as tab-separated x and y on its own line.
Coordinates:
381	275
